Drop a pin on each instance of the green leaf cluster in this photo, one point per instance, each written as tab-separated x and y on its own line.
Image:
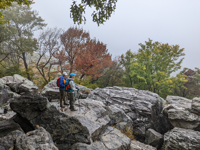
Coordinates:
9	3
103	10
150	68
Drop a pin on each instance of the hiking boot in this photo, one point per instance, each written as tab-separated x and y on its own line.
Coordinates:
73	109
66	103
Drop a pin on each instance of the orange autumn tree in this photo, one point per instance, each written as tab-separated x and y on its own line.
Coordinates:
73	41
93	59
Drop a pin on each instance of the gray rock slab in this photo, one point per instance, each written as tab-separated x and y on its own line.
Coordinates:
119	119
136	145
8	126
144	107
182	112
112	138
94	146
195	107
92	115
154	138
64	129
38	139
8	142
182	139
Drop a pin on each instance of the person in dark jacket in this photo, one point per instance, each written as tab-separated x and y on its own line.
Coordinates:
63	79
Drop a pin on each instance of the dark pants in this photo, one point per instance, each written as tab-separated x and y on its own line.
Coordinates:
62	97
72	100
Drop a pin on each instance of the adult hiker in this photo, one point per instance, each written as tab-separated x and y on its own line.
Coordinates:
62	81
71	90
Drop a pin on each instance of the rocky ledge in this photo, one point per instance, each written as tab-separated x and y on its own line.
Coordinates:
106	120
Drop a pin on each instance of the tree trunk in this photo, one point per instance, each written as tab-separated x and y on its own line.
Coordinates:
26	65
82	76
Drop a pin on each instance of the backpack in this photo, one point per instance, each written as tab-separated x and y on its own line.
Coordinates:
67	86
58	82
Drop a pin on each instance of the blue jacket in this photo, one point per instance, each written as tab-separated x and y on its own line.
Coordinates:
62	83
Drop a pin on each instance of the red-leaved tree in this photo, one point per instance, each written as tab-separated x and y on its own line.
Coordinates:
73	41
92	59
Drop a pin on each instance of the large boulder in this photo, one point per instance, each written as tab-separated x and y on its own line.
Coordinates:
144	107
195	106
119	119
19	84
6	95
91	114
112	138
14	86
65	130
51	90
38	139
154	138
182	139
182	112
7	142
8	126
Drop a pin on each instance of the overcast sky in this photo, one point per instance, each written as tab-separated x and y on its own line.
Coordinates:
134	21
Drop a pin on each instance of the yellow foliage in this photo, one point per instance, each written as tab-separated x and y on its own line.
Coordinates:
135	64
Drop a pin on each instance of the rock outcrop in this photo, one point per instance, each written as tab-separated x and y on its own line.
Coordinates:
92	115
182	112
119	119
143	107
14	86
7	142
110	139
8	126
65	130
182	139
114	139
38	139
154	138
51	90
101	121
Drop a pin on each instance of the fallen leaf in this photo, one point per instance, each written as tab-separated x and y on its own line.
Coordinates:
11	148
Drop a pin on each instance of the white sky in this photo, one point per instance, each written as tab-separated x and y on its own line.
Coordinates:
134	21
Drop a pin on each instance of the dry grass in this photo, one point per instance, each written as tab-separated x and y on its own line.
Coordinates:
129	133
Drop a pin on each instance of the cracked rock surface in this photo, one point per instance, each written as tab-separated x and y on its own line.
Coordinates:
65	130
92	115
112	138
143	107
182	112
38	139
182	139
136	145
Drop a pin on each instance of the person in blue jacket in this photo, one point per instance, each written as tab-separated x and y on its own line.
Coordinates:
62	81
71	90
